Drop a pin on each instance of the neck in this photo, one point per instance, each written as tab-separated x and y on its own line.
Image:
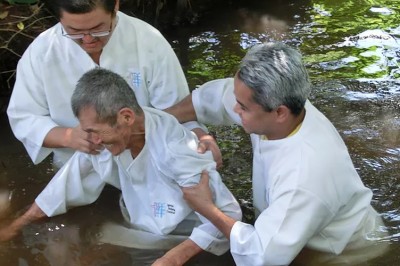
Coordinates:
137	138
138	144
286	129
294	123
95	57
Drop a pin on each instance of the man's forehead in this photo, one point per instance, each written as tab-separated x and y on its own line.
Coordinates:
91	19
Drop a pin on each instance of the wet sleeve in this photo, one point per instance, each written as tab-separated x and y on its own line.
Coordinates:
77	183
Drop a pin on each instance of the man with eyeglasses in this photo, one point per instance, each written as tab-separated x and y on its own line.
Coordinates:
90	33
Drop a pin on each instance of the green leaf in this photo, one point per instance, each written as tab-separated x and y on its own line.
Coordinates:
20	26
3	14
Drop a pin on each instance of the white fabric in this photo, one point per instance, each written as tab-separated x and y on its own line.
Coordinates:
49	69
150	183
306	191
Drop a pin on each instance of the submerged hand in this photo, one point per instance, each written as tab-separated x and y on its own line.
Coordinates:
8	232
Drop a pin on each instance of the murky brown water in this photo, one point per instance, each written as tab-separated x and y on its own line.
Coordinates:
356	80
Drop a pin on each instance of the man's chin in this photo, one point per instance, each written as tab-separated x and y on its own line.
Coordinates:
115	153
91	47
247	130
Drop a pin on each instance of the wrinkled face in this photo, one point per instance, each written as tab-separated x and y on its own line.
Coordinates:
254	118
95	21
115	139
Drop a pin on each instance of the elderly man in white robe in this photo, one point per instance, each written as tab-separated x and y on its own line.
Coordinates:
148	155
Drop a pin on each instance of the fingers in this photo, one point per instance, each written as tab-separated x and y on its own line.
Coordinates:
202	147
204	180
211	145
95	148
219	162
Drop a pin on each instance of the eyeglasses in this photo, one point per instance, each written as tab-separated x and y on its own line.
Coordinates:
95	34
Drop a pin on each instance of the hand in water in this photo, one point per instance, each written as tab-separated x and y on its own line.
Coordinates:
8	231
5	200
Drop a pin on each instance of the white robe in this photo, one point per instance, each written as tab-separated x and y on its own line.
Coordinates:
51	66
150	183
306	191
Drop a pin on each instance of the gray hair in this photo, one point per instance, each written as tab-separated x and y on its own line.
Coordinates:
105	91
276	74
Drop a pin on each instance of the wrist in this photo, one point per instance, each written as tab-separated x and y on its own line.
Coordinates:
170	260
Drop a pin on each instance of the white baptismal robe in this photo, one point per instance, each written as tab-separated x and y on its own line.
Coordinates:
306	191
150	183
50	67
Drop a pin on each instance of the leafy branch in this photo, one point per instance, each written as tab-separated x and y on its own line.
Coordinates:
12	29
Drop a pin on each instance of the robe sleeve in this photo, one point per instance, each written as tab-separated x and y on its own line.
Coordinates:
183	164
280	231
214	102
206	235
168	85
79	182
28	110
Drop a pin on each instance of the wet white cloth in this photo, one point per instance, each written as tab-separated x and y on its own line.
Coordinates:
306	191
150	184
51	66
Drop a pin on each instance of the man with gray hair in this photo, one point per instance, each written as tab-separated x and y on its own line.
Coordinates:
148	155
306	191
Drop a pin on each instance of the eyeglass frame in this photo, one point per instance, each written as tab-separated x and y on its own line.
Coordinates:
80	36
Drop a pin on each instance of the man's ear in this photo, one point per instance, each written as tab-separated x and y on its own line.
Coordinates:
126	116
116	8
283	113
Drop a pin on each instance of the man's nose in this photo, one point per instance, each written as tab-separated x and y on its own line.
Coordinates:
87	38
95	138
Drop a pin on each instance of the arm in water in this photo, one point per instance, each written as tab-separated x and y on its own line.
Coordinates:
11	230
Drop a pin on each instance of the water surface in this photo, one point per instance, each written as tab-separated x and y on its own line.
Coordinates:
352	51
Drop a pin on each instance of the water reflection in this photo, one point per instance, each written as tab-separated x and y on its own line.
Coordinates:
360	38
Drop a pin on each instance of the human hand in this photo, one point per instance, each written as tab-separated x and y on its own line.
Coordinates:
5	202
8	231
12	229
199	197
80	140
208	143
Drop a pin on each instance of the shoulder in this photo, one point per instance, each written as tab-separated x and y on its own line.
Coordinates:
45	44
173	146
141	27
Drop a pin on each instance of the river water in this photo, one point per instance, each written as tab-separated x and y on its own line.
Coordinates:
352	51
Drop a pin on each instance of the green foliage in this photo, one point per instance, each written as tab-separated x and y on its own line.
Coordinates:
335	22
13	2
